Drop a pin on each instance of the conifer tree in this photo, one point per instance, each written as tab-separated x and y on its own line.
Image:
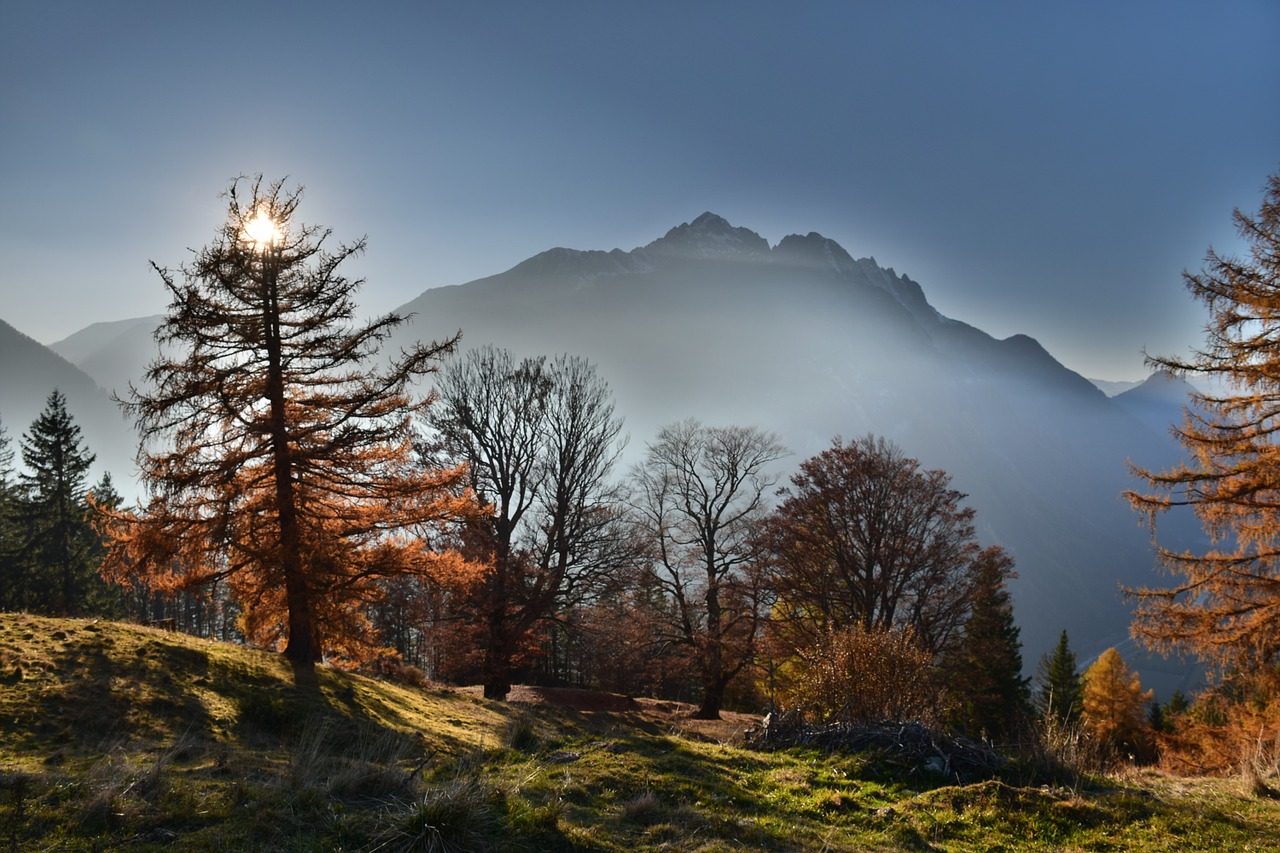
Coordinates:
984	675
1058	693
1223	603
277	452
56	538
1114	702
103	501
8	527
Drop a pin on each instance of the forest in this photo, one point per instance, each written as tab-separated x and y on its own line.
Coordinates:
461	516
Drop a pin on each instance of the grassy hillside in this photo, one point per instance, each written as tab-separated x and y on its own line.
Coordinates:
119	737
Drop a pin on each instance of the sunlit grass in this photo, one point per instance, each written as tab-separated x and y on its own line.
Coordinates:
117	737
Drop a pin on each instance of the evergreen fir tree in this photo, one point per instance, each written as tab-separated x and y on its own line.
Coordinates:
1177	705
985	675
1157	721
55	537
102	598
1058	695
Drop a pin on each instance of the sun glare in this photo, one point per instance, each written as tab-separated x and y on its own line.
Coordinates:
262	230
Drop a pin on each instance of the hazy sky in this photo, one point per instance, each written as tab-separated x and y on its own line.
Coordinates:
1045	168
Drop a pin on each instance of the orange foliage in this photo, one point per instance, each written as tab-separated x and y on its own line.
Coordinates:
1115	704
348	547
1229	728
279	456
863	675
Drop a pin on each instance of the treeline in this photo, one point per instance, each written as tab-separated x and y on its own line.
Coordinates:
298	499
675	579
49	551
859	595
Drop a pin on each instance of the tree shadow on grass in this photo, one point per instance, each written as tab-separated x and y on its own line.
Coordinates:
102	695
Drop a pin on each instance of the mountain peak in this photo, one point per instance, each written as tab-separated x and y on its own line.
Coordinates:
814	250
709	236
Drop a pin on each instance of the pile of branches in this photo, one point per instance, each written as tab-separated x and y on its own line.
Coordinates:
912	747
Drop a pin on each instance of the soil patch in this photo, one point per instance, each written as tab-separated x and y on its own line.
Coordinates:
678	715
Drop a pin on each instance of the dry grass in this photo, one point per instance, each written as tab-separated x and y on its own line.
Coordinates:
117	737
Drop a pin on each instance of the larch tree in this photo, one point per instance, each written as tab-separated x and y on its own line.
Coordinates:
540	438
1225	602
57	541
277	452
1113	702
864	535
1058	690
699	496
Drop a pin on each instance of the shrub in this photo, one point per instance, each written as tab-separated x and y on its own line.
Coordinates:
864	676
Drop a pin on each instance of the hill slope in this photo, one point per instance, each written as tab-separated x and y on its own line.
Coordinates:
119	737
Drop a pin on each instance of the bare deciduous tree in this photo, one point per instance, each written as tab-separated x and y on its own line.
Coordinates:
700	491
541	438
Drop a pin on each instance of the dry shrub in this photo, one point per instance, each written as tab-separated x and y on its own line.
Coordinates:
864	676
1232	728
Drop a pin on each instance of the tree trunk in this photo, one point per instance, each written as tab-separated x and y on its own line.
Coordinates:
302	648
711	701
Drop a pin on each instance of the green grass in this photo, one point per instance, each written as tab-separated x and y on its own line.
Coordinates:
114	737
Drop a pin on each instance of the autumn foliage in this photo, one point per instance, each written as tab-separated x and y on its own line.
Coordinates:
1114	705
861	675
865	536
1225	602
278	456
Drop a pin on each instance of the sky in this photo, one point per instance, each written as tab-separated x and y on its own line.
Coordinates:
1047	169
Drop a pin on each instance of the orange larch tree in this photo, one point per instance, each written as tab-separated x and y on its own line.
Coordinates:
1114	703
277	454
1225	603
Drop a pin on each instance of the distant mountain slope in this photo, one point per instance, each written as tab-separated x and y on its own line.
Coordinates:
801	338
29	371
114	353
1112	388
1159	401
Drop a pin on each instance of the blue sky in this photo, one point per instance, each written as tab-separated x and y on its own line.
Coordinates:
1048	169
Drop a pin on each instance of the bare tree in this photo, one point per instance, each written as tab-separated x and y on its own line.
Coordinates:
698	495
541	439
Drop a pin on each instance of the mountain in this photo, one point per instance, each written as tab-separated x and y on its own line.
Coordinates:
1111	388
1159	401
711	321
113	353
29	371
803	339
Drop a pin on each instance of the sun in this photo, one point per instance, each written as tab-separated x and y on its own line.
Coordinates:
262	230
